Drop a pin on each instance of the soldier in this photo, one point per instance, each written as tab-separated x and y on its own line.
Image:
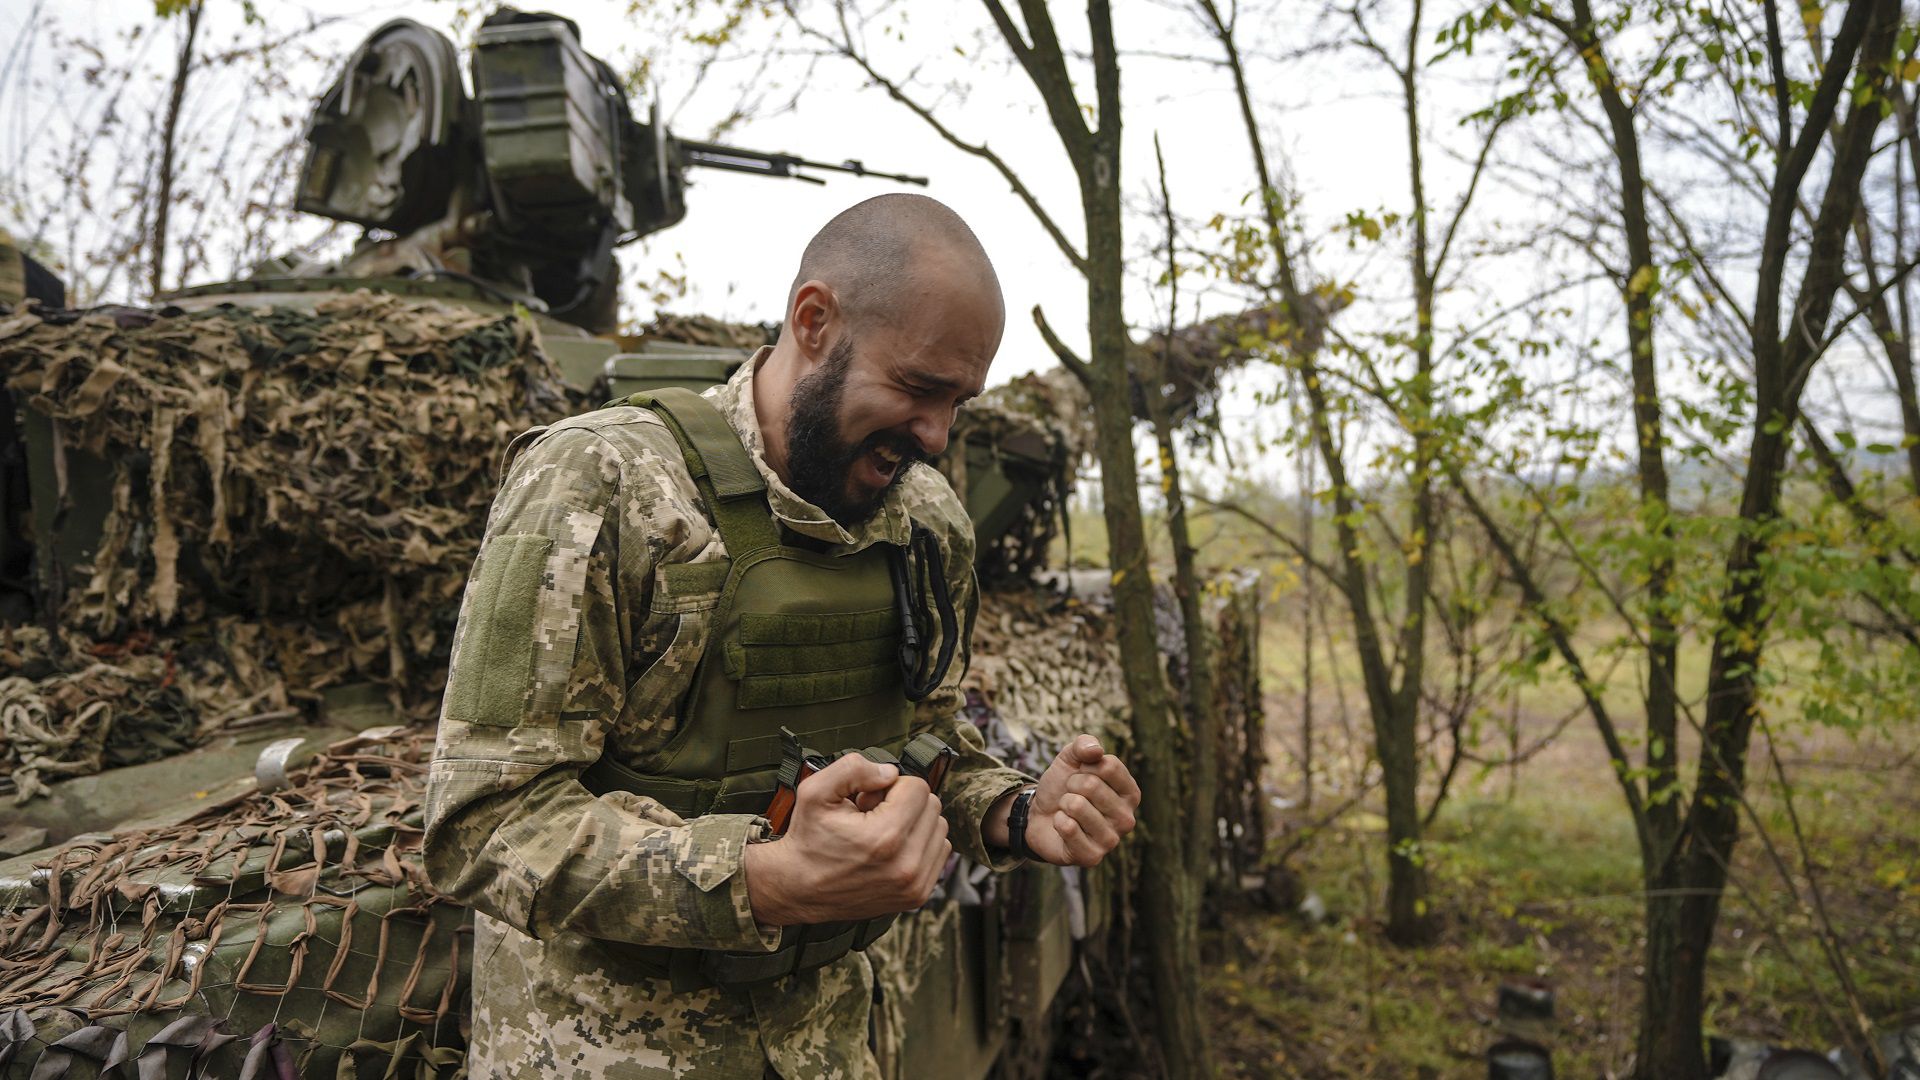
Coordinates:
668	589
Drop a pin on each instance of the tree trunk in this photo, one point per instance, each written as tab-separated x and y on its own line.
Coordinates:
1902	359
1170	897
1674	988
1202	725
1407	921
1393	713
169	134
1306	651
1694	876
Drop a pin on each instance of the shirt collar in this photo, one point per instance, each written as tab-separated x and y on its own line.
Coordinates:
735	402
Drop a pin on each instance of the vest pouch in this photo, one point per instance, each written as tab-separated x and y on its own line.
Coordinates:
744	793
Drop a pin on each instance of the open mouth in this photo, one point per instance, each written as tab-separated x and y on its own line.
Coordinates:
886	461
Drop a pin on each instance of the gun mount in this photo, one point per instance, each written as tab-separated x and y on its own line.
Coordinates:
524	188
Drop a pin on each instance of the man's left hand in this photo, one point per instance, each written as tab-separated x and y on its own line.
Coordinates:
1084	805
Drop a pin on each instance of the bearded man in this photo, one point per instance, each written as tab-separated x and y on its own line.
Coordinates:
671	596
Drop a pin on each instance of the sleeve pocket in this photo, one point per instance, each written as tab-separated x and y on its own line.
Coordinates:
496	665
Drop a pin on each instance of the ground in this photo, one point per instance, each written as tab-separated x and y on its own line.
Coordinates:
1535	877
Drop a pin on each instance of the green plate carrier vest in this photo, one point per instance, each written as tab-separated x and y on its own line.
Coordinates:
799	640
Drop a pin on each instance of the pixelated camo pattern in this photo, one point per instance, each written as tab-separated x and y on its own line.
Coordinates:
566	650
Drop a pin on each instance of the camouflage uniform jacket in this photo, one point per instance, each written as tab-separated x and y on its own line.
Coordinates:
566	651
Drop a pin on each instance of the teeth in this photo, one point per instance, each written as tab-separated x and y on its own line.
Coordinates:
887	455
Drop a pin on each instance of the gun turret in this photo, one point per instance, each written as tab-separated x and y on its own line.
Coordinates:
529	185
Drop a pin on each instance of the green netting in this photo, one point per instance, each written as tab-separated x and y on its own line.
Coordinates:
302	914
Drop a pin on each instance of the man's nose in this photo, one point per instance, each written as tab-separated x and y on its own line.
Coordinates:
930	430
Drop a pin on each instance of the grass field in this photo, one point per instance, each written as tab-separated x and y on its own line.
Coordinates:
1535	876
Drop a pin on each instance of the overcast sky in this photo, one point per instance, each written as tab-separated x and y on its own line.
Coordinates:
742	236
1333	123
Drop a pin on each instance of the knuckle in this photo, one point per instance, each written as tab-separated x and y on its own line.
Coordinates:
1124	823
1073	803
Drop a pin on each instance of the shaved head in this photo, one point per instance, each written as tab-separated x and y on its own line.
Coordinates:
883	255
891	324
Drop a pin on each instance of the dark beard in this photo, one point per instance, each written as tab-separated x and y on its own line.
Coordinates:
819	462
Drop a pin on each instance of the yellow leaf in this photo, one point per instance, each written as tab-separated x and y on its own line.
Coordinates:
1910	70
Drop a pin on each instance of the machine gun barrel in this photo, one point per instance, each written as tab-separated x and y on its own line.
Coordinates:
734	159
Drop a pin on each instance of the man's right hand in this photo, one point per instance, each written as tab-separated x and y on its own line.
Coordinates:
864	841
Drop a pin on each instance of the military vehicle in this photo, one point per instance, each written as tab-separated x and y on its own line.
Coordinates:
219	874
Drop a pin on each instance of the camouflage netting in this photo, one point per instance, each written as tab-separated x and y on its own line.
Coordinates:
1043	419
296	498
278	934
1200	355
1230	609
297	925
59	724
701	330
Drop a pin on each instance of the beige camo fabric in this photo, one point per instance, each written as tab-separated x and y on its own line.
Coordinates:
562	654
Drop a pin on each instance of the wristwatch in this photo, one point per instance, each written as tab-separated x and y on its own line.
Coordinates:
1017	825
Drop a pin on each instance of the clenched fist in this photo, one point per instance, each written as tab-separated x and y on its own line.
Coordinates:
1085	803
864	841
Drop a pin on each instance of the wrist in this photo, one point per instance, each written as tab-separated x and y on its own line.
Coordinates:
768	876
993	827
1001	830
1018	819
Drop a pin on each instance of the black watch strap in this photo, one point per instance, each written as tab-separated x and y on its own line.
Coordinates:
1017	825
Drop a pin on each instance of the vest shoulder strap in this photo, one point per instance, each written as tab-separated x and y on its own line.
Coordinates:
736	494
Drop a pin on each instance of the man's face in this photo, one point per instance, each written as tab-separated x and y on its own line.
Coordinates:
876	405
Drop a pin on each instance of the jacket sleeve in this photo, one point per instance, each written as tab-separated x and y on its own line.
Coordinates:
977	779
536	678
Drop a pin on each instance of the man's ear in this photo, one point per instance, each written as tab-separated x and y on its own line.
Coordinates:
814	319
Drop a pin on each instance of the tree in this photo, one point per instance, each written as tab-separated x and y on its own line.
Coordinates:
1687	833
1391	645
1089	136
